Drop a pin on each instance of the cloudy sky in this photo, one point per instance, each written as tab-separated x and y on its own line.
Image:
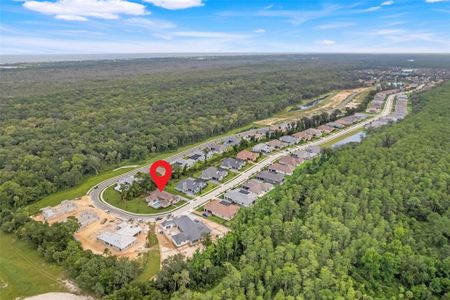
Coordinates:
146	26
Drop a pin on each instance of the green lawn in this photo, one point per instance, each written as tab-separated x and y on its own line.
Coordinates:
208	188
24	271
152	263
81	189
136	205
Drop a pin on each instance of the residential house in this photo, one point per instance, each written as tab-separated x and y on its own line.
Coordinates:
213	173
283	169
302	135
344	121
290	160
257	187
313	132
270	177
232	164
292	140
191	186
222	209
122	238
49	212
325	129
302	154
276	144
240	196
158	199
124	183
282	127
315	150
181	163
247	155
183	230
262	148
217	148
335	125
232	141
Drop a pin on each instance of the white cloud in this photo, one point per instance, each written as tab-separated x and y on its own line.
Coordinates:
375	8
151	24
81	10
176	4
260	30
326	42
435	1
335	25
209	35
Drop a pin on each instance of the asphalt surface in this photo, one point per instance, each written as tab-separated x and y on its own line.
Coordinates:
96	192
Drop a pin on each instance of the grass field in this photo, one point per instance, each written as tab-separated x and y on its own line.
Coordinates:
136	205
83	188
152	262
25	272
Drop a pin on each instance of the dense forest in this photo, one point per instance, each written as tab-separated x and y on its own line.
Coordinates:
368	221
55	129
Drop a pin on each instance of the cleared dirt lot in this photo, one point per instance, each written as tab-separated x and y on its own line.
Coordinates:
329	103
87	235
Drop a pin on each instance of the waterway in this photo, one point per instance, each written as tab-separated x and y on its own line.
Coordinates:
356	138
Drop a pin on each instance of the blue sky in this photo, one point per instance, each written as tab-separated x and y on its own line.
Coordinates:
128	26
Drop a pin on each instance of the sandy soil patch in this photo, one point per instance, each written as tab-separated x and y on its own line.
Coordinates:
328	105
59	296
87	235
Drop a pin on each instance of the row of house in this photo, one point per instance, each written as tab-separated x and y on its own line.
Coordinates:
264	181
377	103
400	112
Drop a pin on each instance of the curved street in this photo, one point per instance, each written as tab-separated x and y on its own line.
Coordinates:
96	192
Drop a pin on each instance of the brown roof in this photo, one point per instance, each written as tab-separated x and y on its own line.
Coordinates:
163	197
276	144
247	155
302	135
325	128
257	186
222	209
279	168
290	161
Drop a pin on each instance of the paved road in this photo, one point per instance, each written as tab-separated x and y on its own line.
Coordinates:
96	193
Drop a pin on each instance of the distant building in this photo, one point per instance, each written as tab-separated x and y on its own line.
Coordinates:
276	144
232	163
270	177
290	160
124	183
313	132
325	129
157	199
262	148
64	207
302	135
292	140
217	148
247	155
213	173
232	141
240	196
183	230
302	154
222	209
191	186
335	125
283	169
315	150
257	187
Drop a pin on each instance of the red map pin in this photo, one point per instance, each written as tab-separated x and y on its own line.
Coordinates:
160	178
